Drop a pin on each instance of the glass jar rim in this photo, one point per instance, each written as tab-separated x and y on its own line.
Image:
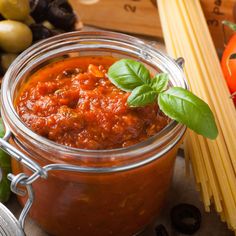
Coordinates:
9	113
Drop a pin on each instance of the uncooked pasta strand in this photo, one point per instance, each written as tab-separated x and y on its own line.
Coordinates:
214	164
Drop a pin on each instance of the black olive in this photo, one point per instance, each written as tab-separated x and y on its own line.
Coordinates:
1	72
40	32
57	31
39	9
1	17
61	15
186	218
1	68
160	230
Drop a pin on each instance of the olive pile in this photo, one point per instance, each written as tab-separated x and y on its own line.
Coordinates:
23	22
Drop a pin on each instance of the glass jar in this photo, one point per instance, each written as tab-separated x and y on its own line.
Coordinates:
88	192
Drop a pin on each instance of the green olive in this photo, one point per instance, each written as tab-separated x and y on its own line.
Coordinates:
15	9
29	20
7	59
14	36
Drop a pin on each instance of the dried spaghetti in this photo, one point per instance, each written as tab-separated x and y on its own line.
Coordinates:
214	162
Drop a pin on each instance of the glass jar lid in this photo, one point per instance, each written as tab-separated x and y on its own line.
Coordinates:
9	225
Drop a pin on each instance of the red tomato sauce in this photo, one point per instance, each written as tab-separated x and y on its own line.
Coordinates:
72	102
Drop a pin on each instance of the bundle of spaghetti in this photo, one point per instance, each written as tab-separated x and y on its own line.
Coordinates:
213	161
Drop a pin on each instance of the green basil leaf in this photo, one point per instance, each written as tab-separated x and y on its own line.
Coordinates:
5	165
231	25
128	74
142	96
184	107
160	82
2	128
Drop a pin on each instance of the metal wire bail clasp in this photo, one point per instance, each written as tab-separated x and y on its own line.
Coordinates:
19	156
18	181
21	184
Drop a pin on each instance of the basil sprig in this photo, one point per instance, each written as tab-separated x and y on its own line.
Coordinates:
127	74
177	103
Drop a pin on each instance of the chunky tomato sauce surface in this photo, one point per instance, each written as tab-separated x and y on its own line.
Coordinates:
72	102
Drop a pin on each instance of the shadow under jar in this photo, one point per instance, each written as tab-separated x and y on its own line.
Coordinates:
116	192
